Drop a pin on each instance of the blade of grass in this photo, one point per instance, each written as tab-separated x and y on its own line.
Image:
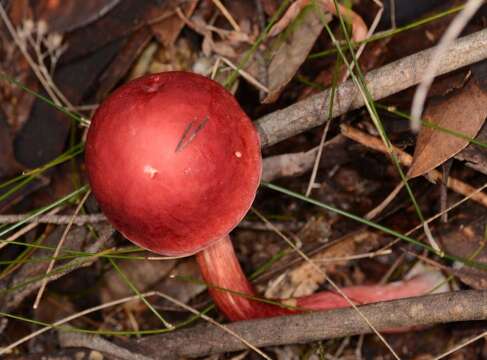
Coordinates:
249	53
384	229
359	80
58	326
431	125
58	248
72	115
45	209
30	174
390	33
132	287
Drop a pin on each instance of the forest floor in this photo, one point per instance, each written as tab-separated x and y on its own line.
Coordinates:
371	120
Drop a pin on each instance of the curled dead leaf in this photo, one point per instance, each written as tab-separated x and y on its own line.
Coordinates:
464	112
291	53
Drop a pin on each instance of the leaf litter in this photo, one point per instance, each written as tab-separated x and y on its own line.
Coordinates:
108	39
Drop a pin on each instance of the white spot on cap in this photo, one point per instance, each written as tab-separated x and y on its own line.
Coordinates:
238	154
150	171
151	88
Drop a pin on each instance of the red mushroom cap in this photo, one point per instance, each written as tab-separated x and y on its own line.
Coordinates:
173	161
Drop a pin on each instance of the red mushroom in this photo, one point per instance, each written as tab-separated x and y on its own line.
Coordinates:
175	164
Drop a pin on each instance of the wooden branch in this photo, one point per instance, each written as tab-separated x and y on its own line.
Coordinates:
382	82
202	340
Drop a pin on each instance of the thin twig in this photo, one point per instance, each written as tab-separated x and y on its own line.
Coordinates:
434	217
380	208
58	249
36	45
462	345
14	296
26	228
392	4
372	142
43	76
227	15
370	32
314	171
245	75
50	218
263	73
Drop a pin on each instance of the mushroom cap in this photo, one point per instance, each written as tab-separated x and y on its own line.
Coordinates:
173	161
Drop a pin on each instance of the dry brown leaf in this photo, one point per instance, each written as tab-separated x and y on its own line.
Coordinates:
168	29
120	66
19	11
464	237
463	111
292	53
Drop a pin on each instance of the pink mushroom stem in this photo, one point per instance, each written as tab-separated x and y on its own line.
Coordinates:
235	296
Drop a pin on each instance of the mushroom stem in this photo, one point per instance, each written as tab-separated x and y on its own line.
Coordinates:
235	296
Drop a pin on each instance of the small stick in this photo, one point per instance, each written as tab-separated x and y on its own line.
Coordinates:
58	249
51	218
245	75
14	296
404	158
227	15
462	345
26	228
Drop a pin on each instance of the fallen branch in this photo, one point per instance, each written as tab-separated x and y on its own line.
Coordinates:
207	339
382	82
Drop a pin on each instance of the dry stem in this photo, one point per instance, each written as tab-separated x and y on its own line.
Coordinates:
405	159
